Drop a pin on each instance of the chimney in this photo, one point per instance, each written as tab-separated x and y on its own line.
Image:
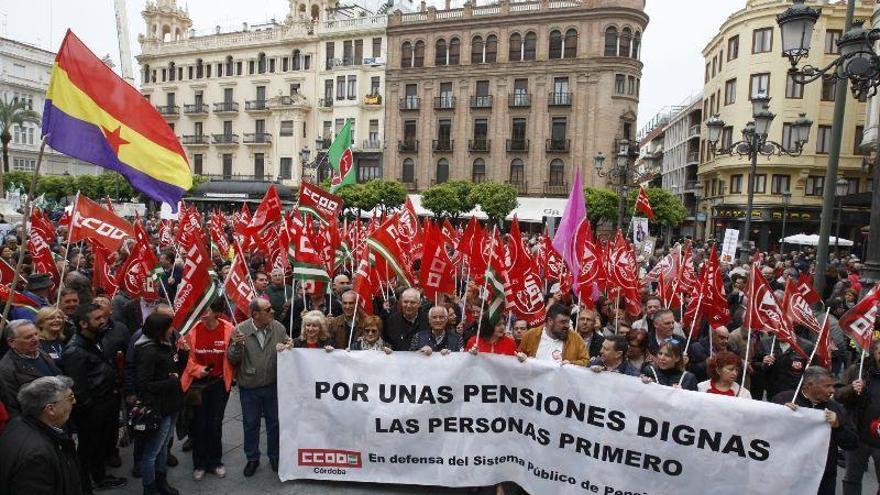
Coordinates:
244	26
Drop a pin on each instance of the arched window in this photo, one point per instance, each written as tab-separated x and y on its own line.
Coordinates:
440	55
625	42
229	65
406	55
491	49
570	46
408	174
442	170
530	47
516	44
555	44
517	172
557	172
477	50
637	46
316	12
454	51
611	42
261	63
479	171
419	54
297	60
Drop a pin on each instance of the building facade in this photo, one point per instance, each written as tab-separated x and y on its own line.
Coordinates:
263	102
681	158
744	60
517	92
24	76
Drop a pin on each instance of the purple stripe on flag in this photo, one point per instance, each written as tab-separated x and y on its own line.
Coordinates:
86	142
563	240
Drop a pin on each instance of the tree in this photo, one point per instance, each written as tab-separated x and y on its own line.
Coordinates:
602	204
667	208
443	201
389	194
357	198
56	186
497	200
12	113
463	191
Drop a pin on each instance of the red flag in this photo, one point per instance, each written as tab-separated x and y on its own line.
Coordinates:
64	221
522	287
266	214
643	205
687	279
237	286
858	322
805	288
437	271
196	288
797	310
90	221
624	273
7	273
136	274
473	244
18	299
765	313
711	302
218	235
38	243
102	276
824	345
590	262
318	202
386	243
365	285
165	236
412	233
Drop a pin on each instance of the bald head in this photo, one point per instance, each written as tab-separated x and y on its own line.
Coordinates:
720	338
409	303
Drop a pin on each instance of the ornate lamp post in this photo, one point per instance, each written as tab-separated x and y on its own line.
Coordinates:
624	174
754	142
841	188
698	195
304	160
786	199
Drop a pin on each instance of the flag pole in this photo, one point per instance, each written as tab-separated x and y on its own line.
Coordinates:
748	333
25	219
862	364
67	246
813	354
485	287
357	303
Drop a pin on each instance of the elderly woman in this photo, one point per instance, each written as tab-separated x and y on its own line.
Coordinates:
315	333
371	337
50	323
723	369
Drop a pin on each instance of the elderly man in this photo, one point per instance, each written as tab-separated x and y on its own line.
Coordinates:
664	328
554	342
253	353
652	305
403	324
38	455
700	351
279	293
587	323
38	287
24	363
437	339
341	283
340	326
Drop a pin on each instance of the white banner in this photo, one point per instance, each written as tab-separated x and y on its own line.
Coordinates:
728	248
463	420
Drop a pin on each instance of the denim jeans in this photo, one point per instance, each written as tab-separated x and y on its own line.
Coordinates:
257	403
155	455
206	430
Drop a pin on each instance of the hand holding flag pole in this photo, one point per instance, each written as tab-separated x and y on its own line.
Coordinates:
813	354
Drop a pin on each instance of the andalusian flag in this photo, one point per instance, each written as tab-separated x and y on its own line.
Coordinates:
93	115
341	159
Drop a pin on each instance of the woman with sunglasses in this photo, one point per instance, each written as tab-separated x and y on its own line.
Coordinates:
668	368
371	337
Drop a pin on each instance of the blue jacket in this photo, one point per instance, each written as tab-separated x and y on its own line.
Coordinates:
450	341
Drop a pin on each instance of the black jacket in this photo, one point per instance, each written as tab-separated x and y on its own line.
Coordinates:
36	459
399	332
16	372
699	354
156	385
865	407
670	377
450	341
94	377
595	347
786	372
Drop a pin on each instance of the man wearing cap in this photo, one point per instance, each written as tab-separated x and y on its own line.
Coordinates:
38	287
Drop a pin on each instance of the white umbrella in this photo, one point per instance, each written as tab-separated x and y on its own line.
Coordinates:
813	240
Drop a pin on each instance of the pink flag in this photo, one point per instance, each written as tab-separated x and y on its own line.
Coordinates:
563	240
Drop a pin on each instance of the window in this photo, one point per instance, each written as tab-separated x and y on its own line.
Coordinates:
358	52
286	128
780	184
611	42
24	164
521	92
619	84
714	65
328	90
444	135
347	53
198	164
557	172
518	133
454	49
491	49
377	47
238	68
815	186
736	184
440	55
352	87
409	132
442	172
760	186
373	131
625	42
477	50
227	166
857	142
569	47
259	165
727	137
340	87
788	139
720	60
517	171
793	89
762	40
408	172
558	130
852	185
832	36
759	84
823	139
411	99
706	74
330	52
285	64
712	103
227	128
368	169
406	55
530	46
419	54
555	44
481	132
637	46
228	96
631	85
479	171
515	47
271	65
730	92
375	82
286	171
829	88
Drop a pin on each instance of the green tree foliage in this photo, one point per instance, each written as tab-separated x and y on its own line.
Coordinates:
357	198
462	189
12	113
497	200
443	201
56	187
388	194
601	204
668	209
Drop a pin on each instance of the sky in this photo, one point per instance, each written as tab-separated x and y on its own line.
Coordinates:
671	51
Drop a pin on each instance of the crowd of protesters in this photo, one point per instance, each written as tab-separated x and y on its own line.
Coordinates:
70	367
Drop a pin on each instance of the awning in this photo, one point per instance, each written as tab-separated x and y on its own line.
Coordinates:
532	210
238	191
813	240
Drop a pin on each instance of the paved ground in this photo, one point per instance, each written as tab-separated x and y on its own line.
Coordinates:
266	481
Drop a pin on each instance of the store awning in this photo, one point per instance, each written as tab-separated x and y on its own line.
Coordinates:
531	210
238	191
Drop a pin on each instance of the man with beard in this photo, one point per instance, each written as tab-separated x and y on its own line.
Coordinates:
554	341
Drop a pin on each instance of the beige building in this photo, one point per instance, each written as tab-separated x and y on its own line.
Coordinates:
518	92
743	60
247	102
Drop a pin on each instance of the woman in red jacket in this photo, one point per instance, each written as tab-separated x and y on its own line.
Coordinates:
209	374
492	339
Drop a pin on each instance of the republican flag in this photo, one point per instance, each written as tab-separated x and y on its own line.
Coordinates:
564	240
437	274
196	289
858	322
91	221
93	115
643	205
341	160
238	287
764	312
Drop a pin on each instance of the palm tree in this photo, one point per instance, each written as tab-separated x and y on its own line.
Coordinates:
12	113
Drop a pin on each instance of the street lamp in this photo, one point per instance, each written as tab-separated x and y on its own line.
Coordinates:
754	142
624	173
304	160
841	188
786	199
698	194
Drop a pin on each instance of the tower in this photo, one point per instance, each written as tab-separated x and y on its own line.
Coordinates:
311	9
166	21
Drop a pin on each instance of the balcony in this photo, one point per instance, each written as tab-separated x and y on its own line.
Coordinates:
195	109
195	140
694	131
324	144
484	101
411	184
372	100
294	100
557	145
226	139
479	145
440	145
521	186
444	103
410	103
257	138
517	145
256	106
693	157
168	110
519	100
239	177
372	145
226	107
408	146
556	188
325	103
559	99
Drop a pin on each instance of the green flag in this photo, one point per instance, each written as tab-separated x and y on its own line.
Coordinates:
341	159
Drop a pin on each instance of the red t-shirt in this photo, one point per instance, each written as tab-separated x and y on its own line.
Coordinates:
311	345
210	348
505	345
713	390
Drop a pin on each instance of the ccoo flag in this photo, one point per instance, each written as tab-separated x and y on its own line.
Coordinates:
93	115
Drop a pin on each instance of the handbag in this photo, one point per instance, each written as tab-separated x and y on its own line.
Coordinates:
143	419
